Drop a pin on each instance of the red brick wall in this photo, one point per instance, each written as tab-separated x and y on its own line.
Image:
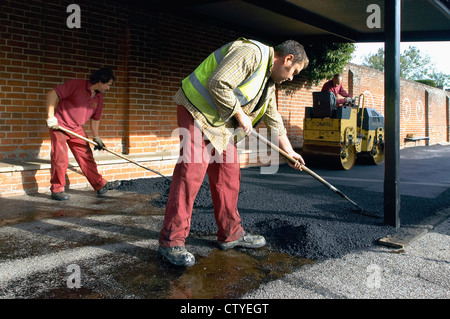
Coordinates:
423	109
150	54
292	100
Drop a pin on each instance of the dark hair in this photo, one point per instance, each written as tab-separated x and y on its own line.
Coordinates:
294	48
102	75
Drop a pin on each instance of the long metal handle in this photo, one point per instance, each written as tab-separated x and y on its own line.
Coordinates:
306	169
112	152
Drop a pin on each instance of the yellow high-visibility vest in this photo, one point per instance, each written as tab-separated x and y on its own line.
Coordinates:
194	86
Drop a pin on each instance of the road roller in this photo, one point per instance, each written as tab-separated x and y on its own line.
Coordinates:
338	136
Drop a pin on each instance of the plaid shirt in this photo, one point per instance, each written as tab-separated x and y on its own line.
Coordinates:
239	63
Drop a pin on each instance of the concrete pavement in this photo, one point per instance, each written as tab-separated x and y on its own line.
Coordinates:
420	270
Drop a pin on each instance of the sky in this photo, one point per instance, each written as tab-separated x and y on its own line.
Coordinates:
439	52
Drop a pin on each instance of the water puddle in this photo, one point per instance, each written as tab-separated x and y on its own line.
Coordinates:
219	275
232	273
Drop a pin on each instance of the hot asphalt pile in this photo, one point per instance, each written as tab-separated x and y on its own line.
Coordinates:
297	214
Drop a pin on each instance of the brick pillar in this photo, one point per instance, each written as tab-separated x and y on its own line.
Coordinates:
350	83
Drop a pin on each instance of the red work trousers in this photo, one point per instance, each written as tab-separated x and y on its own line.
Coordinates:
60	160
197	157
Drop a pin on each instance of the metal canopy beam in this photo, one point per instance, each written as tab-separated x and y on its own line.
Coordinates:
443	6
392	113
410	36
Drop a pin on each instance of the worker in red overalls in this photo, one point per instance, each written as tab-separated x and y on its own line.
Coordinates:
71	105
231	90
335	86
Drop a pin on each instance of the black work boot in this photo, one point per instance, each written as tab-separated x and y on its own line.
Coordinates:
60	196
109	186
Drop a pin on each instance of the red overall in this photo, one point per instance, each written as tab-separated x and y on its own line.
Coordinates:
224	179
83	155
74	109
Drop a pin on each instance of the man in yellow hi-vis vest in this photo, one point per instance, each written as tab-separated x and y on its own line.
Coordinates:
233	88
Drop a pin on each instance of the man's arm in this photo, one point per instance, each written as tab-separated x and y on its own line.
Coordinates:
52	101
244	121
286	146
343	92
94	127
274	122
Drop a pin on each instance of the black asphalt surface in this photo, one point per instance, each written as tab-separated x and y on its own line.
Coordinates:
300	216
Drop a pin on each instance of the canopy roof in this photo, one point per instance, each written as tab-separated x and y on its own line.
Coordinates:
324	20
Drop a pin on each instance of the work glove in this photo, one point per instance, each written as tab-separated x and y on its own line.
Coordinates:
348	99
99	142
52	123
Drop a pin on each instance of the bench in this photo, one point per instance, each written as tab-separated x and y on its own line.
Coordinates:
416	139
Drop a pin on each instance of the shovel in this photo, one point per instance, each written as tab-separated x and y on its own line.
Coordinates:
309	171
112	152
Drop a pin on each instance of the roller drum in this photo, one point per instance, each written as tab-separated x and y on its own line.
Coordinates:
330	155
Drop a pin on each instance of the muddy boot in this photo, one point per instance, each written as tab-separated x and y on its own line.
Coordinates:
246	241
108	187
178	256
60	196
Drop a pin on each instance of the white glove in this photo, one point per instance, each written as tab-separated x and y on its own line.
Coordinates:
52	123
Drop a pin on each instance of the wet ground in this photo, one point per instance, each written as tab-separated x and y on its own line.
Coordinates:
113	240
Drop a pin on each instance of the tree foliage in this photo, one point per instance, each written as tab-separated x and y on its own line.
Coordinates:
326	59
414	65
375	60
